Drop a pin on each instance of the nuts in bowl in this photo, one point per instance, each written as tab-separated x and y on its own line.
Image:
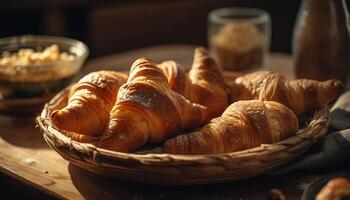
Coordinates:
30	56
34	68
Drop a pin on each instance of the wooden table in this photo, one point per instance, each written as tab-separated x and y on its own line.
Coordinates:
25	156
183	54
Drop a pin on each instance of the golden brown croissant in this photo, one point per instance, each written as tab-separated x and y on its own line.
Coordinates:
203	85
243	125
148	110
90	101
335	189
300	96
177	77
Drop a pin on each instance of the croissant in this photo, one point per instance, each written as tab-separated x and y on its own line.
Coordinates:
243	125
204	83
90	100
335	189
177	77
300	95
148	110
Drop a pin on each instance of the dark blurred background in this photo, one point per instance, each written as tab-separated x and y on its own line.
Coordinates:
112	26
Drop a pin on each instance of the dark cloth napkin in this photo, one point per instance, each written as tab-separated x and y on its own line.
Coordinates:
332	153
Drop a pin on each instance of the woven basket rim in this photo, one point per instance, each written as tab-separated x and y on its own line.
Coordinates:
309	134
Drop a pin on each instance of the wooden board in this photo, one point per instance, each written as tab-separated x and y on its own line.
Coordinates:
25	156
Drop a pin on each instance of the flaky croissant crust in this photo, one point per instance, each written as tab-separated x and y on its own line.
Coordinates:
243	125
89	103
204	84
148	110
301	95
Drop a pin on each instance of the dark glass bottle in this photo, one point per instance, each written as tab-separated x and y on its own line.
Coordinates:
321	44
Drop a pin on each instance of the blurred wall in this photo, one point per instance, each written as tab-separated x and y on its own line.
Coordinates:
113	26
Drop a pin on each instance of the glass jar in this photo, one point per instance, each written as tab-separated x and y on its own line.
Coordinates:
239	38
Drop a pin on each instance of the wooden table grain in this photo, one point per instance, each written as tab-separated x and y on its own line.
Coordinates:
182	54
26	157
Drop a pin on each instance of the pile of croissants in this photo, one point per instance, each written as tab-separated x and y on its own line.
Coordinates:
194	112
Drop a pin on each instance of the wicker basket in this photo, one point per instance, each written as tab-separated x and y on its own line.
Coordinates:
170	169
